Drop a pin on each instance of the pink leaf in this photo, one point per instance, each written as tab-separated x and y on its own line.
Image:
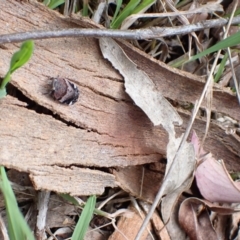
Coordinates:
213	180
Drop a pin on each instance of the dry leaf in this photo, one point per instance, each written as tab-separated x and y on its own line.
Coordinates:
95	234
194	219
172	225
181	161
213	180
140	87
60	213
144	93
180	176
235	225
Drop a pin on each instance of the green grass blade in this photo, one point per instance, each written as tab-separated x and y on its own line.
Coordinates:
69	198
119	4
179	61
72	200
84	219
17	226
46	2
85	8
143	6
3	93
5	81
55	3
18	59
230	41
236	13
22	56
124	14
221	68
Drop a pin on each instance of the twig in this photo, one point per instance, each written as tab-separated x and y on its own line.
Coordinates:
43	199
149	33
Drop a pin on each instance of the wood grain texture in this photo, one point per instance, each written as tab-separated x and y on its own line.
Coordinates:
36	144
103	108
141	182
107	129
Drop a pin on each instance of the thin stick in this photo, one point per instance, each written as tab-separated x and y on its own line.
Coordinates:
149	33
43	199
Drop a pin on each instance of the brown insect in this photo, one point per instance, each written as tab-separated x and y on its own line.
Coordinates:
64	91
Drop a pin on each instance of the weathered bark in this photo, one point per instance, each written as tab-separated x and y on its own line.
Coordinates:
107	128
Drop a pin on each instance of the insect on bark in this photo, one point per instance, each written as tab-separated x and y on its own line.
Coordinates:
64	91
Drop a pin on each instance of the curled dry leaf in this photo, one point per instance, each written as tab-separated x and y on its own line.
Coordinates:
213	180
181	159
194	219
